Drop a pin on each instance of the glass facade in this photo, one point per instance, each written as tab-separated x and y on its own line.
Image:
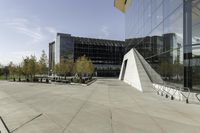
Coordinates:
195	63
155	29
66	46
167	34
106	55
51	55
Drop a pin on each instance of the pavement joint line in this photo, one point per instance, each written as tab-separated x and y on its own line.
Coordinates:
35	109
26	123
67	98
79	110
144	111
110	109
4	125
179	112
183	115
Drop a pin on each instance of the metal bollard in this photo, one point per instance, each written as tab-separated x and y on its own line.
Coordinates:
172	98
187	101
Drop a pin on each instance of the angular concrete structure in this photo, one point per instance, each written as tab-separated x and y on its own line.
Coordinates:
137	72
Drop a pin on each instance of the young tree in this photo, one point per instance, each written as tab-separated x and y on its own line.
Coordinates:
42	64
6	72
83	65
70	64
32	66
19	72
64	67
1	70
12	70
29	67
89	68
25	65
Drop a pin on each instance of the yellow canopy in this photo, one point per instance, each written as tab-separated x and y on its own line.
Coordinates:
122	4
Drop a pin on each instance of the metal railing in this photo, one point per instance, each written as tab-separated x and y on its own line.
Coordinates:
197	97
174	91
187	90
169	90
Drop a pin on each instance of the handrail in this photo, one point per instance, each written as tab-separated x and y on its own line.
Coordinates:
181	92
167	90
175	90
157	89
196	95
162	89
4	124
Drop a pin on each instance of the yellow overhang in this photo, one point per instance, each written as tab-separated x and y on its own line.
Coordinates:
122	5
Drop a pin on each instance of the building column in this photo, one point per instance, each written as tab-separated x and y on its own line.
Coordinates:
187	42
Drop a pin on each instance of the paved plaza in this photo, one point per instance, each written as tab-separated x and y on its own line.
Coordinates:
106	106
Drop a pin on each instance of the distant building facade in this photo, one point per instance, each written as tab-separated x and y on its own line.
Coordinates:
106	55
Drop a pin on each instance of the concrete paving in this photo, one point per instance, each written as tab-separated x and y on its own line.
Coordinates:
106	106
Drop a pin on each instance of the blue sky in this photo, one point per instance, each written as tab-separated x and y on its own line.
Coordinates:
27	26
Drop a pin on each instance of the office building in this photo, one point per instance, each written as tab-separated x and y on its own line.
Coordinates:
106	55
166	33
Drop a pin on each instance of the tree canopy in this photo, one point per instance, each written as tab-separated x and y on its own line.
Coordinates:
83	65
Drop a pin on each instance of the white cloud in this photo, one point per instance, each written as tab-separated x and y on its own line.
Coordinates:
36	32
27	28
105	31
16	57
33	36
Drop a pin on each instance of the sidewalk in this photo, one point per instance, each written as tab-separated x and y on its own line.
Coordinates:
106	106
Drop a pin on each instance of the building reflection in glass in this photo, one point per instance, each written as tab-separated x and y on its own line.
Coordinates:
156	29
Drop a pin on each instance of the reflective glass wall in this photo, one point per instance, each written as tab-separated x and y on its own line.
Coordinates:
196	44
155	29
66	47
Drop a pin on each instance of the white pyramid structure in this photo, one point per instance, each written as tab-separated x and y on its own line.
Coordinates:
133	72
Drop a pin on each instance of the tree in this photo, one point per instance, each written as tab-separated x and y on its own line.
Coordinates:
12	70
6	72
64	68
42	64
56	69
32	66
19	72
83	65
70	64
1	70
25	65
29	67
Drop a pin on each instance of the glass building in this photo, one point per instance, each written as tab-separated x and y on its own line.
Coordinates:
167	34
106	55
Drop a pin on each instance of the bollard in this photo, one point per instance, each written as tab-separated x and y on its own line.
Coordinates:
172	98
187	101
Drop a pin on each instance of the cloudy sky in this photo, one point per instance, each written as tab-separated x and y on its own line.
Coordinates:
27	26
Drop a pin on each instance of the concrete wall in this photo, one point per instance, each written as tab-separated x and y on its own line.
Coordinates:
131	75
134	73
